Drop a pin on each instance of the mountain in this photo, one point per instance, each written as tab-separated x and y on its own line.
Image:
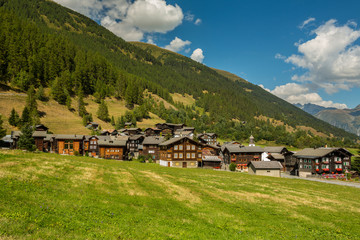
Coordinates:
44	44
312	109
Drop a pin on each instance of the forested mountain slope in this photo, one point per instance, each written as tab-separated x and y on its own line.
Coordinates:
44	44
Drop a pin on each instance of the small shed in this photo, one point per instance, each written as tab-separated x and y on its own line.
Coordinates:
265	168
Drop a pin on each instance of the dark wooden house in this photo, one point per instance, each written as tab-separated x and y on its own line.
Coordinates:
241	156
133	145
112	149
181	152
311	161
152	132
211	156
280	154
69	144
151	147
208	138
39	137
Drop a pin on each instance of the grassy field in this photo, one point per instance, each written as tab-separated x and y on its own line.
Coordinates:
48	196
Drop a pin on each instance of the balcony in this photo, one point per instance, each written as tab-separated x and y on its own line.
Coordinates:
339	162
339	169
326	169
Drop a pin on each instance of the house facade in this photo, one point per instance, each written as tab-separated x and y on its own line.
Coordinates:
241	156
208	138
151	147
181	152
210	156
112	149
265	168
313	161
69	144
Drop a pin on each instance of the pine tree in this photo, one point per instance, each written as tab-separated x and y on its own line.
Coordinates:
40	94
112	121
57	91
2	130
25	117
14	119
68	102
31	104
103	112
81	104
26	141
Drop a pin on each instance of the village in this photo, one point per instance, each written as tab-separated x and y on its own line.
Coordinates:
176	145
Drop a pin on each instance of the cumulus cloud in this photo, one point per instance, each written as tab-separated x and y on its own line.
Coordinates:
331	60
306	22
297	93
130	20
197	55
177	45
263	87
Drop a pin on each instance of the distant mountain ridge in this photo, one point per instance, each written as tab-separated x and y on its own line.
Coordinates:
347	119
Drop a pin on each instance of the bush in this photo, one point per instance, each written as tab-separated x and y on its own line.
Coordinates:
76	153
232	167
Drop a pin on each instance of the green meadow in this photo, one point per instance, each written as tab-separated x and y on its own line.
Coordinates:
48	196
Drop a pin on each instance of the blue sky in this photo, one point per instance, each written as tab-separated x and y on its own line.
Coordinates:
302	51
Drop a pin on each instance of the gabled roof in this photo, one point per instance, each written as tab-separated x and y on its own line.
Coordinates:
254	149
16	134
174	140
153	140
39	134
69	137
315	152
212	146
209	134
136	137
232	148
276	156
273	149
211	158
266	165
112	143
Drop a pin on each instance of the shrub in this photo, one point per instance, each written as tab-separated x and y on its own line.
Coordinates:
76	153
232	167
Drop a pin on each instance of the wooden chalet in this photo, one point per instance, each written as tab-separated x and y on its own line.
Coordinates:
265	168
93	125
41	127
133	145
241	156
39	137
312	161
132	131
184	132
112	149
49	143
110	132
69	144
152	132
208	138
151	146
169	128
280	154
211	156
181	152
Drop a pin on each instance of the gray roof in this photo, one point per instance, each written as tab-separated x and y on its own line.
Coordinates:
49	137
15	134
266	164
153	140
112	143
136	137
174	140
314	152
209	134
7	139
254	149
39	134
71	137
277	156
273	149
233	148
211	158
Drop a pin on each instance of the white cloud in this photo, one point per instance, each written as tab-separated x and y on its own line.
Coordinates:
177	45
297	93
306	22
331	60
263	87
198	22
128	20
279	56
150	40
189	17
197	55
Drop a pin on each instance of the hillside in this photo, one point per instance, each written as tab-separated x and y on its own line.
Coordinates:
45	43
47	196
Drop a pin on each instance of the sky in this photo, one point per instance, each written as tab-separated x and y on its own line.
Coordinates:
304	51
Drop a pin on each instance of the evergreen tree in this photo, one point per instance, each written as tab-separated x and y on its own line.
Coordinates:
40	94
112	121
81	104
57	91
14	119
103	112
68	102
25	117
356	163
26	141
2	130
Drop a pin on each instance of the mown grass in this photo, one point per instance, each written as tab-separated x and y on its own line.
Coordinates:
48	196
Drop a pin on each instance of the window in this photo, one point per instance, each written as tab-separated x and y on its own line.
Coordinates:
301	160
193	147
175	155
199	155
180	147
188	155
187	147
309	167
180	155
316	160
169	155
176	147
151	151
193	155
69	144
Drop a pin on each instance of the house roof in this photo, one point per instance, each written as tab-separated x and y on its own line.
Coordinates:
133	129
153	140
209	134
16	134
112	143
136	137
273	149
49	137
314	152
7	139
211	158
39	134
250	149
266	164
70	137
277	156
212	146
174	140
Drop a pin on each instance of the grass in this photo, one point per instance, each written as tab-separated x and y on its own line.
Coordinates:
48	196
185	99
